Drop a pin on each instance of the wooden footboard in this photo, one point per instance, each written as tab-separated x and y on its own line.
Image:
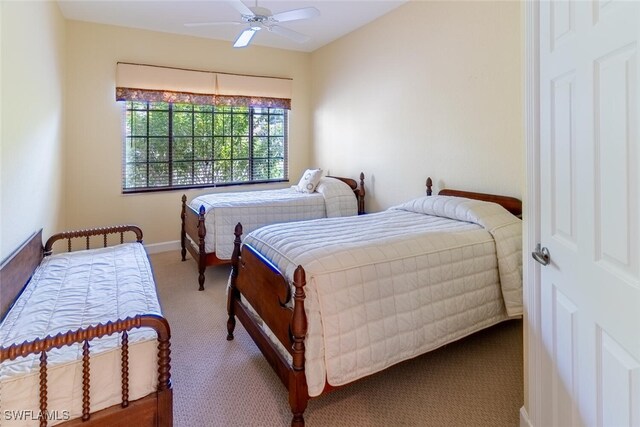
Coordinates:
269	293
140	413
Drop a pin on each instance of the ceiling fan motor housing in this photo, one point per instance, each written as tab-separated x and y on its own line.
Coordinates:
260	15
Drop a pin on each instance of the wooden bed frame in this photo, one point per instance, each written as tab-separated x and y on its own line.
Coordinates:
269	293
155	409
192	225
511	204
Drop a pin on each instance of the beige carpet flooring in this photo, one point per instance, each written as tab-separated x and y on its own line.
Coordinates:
474	382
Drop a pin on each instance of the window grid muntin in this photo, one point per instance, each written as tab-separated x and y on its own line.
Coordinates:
229	134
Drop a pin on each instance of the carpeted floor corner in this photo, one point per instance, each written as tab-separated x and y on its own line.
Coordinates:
477	381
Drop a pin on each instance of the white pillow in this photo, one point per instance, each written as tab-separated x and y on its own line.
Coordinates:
309	181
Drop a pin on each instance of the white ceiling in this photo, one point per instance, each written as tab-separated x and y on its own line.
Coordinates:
337	17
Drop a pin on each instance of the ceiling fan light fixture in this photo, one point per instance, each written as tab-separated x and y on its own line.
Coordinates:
244	38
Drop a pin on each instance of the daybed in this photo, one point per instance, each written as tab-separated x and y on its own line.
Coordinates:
330	301
207	221
84	342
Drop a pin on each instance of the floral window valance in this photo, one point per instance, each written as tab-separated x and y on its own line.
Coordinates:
136	82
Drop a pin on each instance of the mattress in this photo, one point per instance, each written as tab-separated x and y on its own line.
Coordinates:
70	291
255	209
386	287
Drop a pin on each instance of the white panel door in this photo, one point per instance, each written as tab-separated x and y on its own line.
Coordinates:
589	213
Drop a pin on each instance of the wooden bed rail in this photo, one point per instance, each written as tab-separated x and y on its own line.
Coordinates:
84	336
104	231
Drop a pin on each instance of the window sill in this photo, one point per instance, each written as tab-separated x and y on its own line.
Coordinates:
196	187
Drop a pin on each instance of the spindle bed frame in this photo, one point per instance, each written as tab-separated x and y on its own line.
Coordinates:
155	409
267	290
192	225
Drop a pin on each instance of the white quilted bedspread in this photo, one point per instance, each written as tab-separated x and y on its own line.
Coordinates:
386	287
73	290
256	209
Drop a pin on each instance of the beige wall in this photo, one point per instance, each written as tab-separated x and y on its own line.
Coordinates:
430	89
94	119
433	88
32	131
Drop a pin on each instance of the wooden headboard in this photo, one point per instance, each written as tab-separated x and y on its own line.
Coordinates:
357	187
511	204
17	269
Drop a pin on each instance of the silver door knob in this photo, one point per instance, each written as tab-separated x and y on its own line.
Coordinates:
541	255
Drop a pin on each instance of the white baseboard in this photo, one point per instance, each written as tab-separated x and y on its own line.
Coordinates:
156	248
524	418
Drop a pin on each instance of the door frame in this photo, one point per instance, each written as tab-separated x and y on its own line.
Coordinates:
530	413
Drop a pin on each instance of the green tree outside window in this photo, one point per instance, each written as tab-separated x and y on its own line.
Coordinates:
184	145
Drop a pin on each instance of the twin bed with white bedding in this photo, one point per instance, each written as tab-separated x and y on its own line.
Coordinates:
208	220
101	302
330	301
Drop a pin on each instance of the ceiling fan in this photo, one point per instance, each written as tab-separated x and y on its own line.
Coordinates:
257	18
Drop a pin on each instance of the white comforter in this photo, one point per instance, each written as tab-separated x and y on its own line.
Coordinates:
75	290
255	209
386	287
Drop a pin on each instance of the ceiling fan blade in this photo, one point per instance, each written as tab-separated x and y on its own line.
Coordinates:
293	35
293	15
244	38
240	7
204	24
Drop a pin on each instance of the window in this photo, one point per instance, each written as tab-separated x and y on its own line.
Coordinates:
172	145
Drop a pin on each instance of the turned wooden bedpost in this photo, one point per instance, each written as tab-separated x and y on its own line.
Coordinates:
361	194
164	390
202	259
233	292
298	392
183	233
43	387
429	185
86	382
